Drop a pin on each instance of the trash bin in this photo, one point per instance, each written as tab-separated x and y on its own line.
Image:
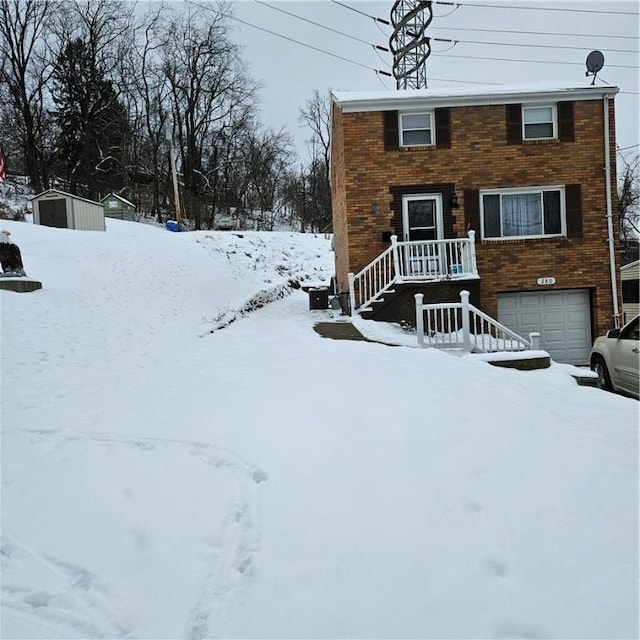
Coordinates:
173	225
319	298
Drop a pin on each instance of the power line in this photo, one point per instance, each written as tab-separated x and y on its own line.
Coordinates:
478	42
535	33
309	46
535	46
346	6
530	8
322	26
633	146
451	55
386	73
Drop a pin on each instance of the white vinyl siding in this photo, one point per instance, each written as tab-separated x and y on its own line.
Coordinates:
523	213
539	122
630	274
416	129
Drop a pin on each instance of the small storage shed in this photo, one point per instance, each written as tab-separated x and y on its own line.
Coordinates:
116	206
54	208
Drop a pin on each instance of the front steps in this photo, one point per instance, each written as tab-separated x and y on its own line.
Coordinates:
399	305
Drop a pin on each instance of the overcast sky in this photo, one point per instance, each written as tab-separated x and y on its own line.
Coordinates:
290	71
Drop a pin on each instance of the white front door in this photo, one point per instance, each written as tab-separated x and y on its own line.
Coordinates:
422	222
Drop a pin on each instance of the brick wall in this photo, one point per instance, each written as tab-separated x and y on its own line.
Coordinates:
339	202
364	176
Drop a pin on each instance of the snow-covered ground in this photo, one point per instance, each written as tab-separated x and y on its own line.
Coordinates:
184	457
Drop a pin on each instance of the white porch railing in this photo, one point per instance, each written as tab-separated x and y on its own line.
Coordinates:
415	261
460	325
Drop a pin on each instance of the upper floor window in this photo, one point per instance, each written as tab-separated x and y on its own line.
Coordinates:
530	213
539	122
416	129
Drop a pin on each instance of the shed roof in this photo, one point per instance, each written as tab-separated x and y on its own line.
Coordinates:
630	265
115	195
66	195
494	95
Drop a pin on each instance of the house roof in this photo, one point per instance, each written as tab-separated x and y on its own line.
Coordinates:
66	195
494	95
631	265
115	195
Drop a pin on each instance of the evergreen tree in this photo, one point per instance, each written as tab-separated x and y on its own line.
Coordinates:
92	123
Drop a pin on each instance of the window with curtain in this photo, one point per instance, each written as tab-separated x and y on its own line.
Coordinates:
522	214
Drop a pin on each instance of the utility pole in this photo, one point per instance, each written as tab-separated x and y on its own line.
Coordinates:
408	43
176	194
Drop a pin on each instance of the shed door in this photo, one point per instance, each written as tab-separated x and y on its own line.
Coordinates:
562	317
53	213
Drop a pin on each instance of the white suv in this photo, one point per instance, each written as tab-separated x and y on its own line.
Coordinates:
616	359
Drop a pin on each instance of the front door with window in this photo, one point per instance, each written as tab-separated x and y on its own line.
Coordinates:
422	224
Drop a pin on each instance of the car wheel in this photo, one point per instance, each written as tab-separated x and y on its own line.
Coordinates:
599	366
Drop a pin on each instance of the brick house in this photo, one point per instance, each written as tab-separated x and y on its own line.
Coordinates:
502	192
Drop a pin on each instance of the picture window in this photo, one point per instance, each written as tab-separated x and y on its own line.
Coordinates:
523	214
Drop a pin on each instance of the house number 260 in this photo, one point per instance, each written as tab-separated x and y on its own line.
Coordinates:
546	280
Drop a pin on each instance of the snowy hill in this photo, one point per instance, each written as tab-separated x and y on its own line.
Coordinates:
182	460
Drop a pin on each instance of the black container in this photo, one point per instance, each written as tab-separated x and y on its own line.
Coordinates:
319	298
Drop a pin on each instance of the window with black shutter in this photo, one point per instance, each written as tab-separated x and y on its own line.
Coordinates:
514	123
391	137
565	122
472	209
573	205
443	128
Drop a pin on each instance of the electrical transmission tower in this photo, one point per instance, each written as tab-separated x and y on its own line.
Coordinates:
409	45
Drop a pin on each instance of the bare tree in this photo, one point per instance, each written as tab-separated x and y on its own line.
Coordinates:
147	97
317	116
629	208
267	162
209	90
25	71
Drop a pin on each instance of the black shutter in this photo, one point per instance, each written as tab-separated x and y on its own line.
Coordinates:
565	122
391	140
573	207
443	128
472	210
514	123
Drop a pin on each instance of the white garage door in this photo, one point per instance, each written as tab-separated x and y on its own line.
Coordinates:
563	319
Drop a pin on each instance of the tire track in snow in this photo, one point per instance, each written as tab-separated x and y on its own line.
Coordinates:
228	561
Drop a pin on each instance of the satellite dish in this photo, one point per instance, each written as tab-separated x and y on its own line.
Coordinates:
595	62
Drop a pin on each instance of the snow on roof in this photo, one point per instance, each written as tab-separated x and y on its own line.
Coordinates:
498	94
115	195
64	193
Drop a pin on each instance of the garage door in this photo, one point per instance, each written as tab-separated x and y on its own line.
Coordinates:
563	319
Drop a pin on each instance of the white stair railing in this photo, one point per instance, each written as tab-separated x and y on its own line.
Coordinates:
415	261
366	285
461	325
437	259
